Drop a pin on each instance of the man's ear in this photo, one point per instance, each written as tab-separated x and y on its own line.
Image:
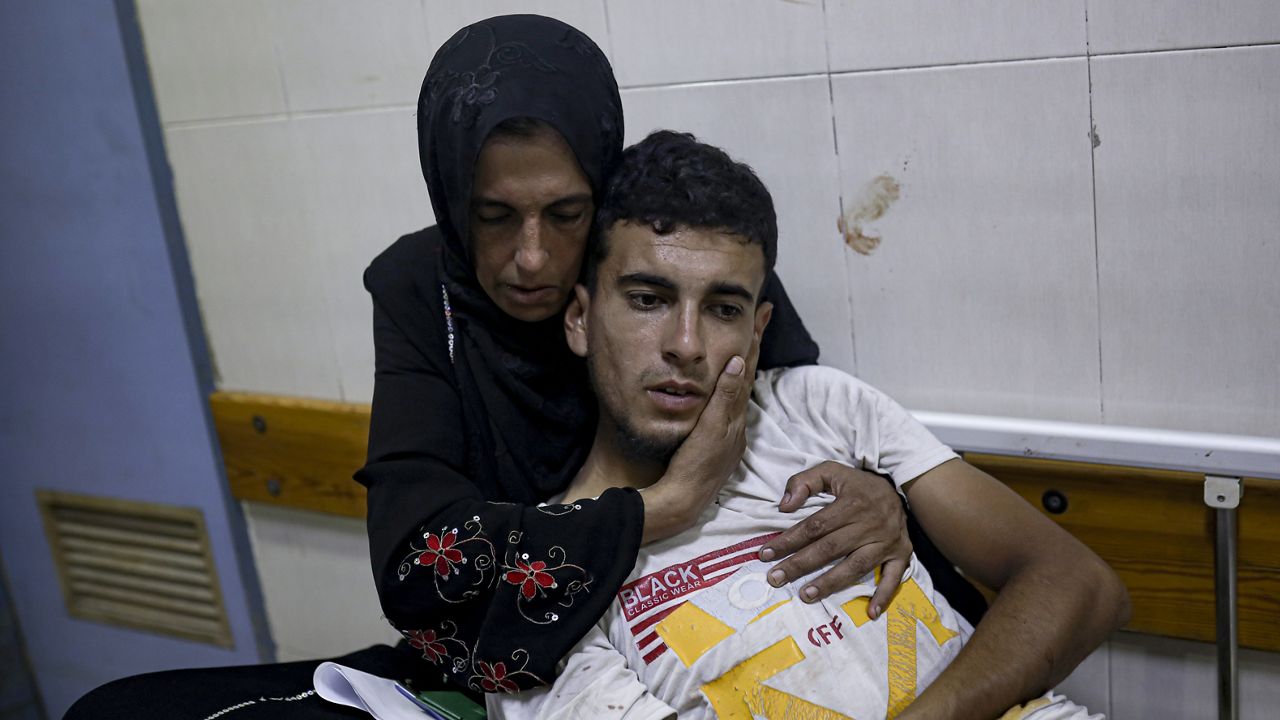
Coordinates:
764	311
575	320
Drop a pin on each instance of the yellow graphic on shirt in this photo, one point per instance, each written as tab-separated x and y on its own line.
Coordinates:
739	694
691	631
909	607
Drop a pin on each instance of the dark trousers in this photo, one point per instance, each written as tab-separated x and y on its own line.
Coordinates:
247	692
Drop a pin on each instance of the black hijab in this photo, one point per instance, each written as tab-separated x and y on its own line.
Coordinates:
517	379
529	414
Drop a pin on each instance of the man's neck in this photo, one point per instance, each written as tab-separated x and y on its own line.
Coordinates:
607	467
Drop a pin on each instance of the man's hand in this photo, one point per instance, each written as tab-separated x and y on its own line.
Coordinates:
865	525
707	457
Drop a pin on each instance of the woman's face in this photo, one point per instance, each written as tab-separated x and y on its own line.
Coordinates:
531	210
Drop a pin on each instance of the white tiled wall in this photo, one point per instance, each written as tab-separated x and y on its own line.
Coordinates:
211	61
363	180
320	598
1188	190
250	232
675	41
1085	223
1157	678
1135	25
336	54
1139	677
994	214
873	34
291	130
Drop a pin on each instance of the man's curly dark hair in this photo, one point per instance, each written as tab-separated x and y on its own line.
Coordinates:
670	180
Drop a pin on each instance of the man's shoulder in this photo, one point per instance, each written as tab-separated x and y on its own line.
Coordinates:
850	415
824	399
809	383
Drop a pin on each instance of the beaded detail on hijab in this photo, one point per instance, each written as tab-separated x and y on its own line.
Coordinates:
448	319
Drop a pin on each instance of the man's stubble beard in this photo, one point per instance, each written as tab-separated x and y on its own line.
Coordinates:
629	440
635	446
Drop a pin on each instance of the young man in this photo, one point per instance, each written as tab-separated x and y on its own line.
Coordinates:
686	237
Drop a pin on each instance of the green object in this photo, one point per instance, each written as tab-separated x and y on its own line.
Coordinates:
452	705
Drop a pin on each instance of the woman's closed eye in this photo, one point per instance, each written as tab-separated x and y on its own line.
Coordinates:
567	217
568	211
493	217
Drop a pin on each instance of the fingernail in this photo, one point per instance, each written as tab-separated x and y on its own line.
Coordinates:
777	577
767	554
875	612
735	366
810	593
786	498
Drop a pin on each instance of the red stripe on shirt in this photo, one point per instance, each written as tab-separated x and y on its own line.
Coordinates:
655	653
673	582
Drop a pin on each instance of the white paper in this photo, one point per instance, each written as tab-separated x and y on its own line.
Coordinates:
382	698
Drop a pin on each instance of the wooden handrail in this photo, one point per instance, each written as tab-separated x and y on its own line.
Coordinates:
293	452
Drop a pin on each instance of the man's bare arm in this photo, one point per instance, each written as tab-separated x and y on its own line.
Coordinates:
1057	600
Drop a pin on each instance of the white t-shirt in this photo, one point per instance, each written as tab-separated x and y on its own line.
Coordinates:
697	630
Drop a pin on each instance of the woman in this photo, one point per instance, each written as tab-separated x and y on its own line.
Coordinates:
480	411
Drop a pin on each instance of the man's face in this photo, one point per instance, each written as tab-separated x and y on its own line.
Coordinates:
667	314
530	213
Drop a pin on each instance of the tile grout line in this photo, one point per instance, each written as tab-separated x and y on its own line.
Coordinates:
284	87
835	146
840	73
295	115
224	122
723	81
829	74
1097	280
960	64
1175	51
1093	183
1088	54
608	33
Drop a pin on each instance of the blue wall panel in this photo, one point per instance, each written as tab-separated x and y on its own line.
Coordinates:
102	365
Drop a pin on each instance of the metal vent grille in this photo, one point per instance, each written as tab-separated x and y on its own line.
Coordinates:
140	565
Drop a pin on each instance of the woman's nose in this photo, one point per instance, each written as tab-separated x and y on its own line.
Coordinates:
531	250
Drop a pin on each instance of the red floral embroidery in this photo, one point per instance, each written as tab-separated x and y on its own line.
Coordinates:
426	641
530	576
495	678
441	553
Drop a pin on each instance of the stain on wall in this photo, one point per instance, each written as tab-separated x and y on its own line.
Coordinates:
872	203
